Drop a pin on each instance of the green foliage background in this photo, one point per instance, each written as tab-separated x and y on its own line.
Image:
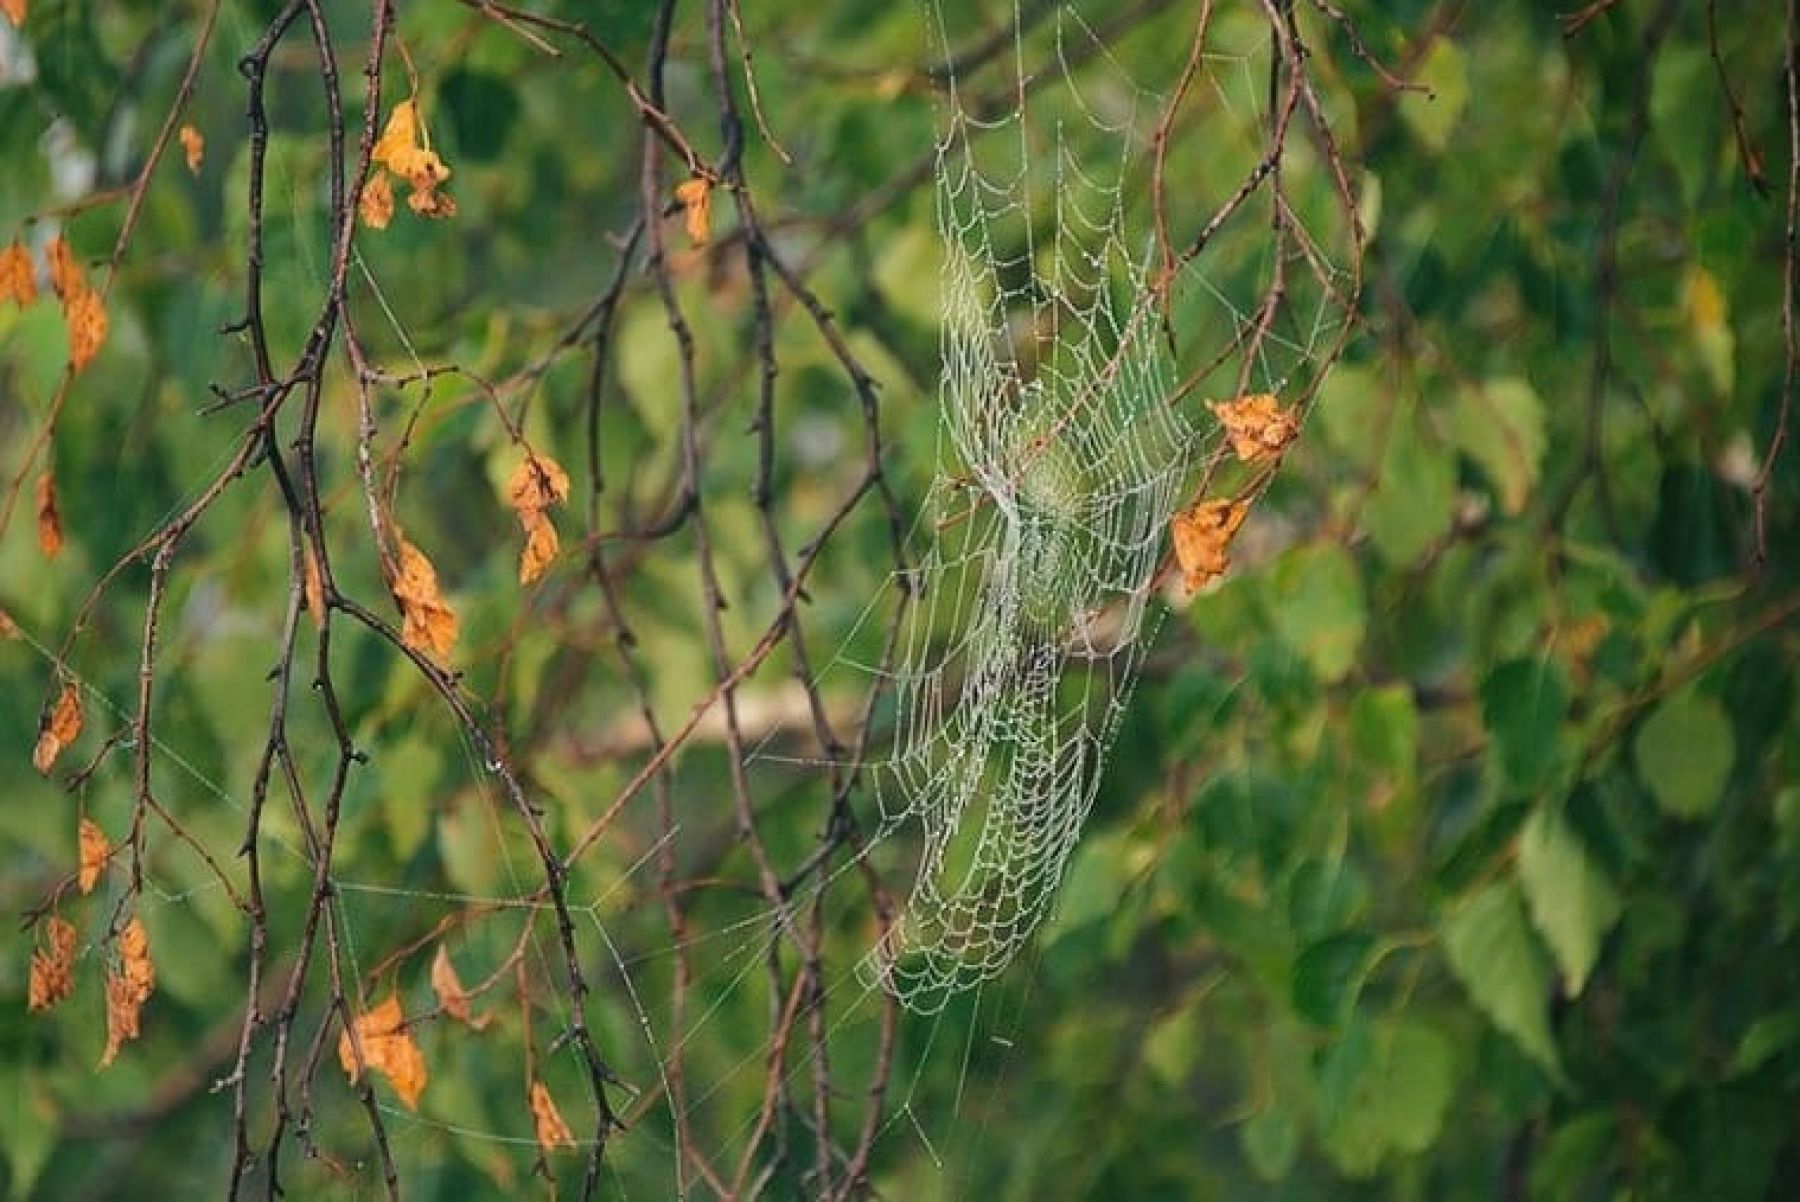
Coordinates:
1452	846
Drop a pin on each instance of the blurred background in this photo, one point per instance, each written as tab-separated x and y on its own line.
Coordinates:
1448	847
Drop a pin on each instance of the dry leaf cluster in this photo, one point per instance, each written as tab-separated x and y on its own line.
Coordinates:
84	311
404	149
538	483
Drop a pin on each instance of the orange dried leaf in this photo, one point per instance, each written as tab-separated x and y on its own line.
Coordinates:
429	624
18	282
128	987
49	518
85	314
94	851
312	584
193	145
15	12
53	967
9	629
541	545
537	483
400	135
427	202
695	196
450	992
377	204
552	1131
65	273
59	729
1258	427
1202	535
388	1048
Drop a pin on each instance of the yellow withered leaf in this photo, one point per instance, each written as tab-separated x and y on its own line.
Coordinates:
405	149
18	282
1258	427
450	992
552	1131
61	727
541	545
695	196
193	145
85	314
49	517
537	483
53	967
388	1048
399	136
128	987
66	278
376	207
428	622
1202	534
15	12
94	851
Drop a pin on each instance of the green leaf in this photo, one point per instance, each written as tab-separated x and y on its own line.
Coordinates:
1684	753
1767	1037
1523	703
1492	953
1384	1088
1415	498
1320	611
1572	900
482	109
1500	425
1271	1139
1433	117
1327	975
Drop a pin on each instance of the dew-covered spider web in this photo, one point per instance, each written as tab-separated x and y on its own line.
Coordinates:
1062	452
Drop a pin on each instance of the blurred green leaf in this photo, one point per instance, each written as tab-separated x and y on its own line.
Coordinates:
1491	951
1523	704
1572	901
1684	753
